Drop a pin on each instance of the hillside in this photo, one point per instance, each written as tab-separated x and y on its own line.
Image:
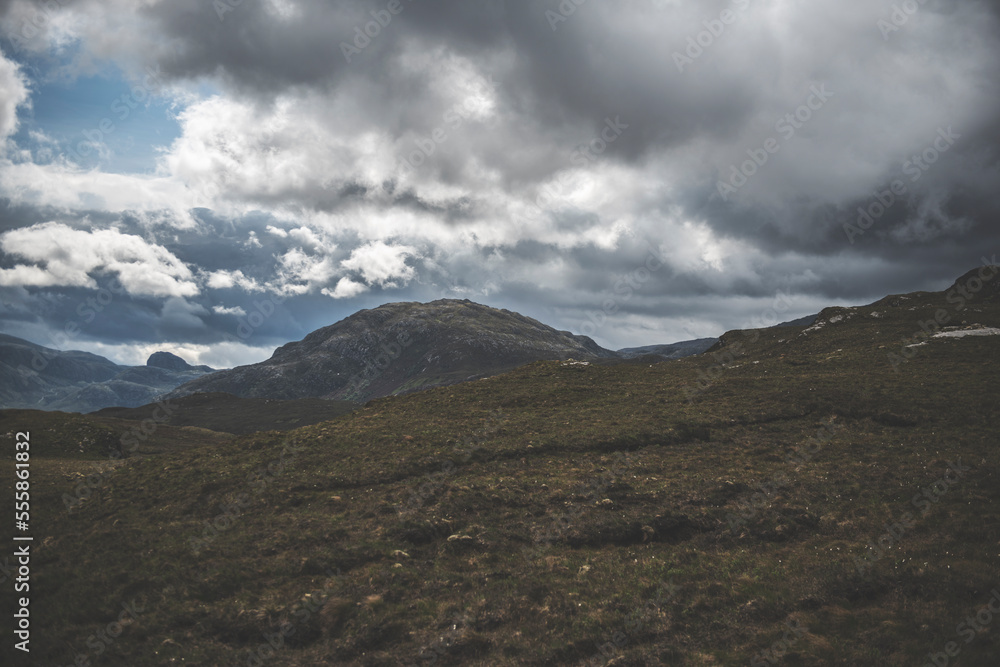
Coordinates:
226	413
821	495
69	436
40	378
399	348
679	350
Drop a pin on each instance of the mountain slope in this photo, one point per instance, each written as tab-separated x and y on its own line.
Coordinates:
172	362
225	413
398	348
688	348
40	378
679	350
567	514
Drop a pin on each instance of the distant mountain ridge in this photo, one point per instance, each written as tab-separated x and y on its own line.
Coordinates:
36	377
679	350
172	362
393	349
398	348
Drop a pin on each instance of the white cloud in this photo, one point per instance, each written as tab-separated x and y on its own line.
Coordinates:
13	94
231	151
316	147
300	273
219	355
230	279
224	310
22	275
67	186
381	264
37	27
345	289
375	263
308	239
61	255
284	10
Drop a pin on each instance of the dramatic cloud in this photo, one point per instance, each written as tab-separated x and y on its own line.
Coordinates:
528	155
381	264
345	289
65	257
230	279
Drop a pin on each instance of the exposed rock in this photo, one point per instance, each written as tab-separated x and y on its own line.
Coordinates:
398	348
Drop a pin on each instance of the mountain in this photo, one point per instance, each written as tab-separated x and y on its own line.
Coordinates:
806	321
689	348
399	348
672	351
172	362
820	495
37	377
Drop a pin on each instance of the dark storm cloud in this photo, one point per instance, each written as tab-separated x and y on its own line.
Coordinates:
557	86
599	65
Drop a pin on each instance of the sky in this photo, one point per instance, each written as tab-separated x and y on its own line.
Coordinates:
216	178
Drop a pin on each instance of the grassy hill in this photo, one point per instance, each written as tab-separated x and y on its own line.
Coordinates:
67	435
399	348
230	414
821	495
